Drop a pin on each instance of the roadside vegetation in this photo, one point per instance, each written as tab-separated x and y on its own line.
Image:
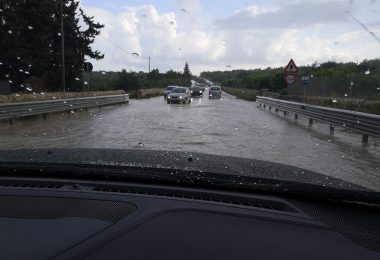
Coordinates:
42	96
246	94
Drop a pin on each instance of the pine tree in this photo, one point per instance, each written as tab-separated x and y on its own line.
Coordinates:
31	42
187	75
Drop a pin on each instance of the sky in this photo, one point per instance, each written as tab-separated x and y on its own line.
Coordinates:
228	35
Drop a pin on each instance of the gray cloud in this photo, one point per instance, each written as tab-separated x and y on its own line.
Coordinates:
294	15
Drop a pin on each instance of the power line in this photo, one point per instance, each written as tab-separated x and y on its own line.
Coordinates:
114	44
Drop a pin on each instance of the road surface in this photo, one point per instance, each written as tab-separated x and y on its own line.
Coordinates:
229	127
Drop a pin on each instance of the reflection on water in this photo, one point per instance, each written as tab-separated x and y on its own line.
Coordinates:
229	127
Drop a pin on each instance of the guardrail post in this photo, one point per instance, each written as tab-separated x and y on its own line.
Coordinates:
85	109
11	121
44	116
311	121
284	113
265	106
296	116
332	128
270	108
276	110
365	138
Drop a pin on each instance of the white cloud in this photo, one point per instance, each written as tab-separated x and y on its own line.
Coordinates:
258	36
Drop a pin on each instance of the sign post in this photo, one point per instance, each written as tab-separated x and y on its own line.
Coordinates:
305	83
290	75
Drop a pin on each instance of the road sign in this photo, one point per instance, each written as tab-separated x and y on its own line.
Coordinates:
88	67
291	68
305	80
290	79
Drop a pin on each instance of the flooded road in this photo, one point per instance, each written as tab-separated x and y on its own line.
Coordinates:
230	127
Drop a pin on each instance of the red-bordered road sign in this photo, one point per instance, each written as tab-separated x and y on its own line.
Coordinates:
291	68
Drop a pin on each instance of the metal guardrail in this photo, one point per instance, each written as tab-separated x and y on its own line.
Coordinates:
366	124
23	109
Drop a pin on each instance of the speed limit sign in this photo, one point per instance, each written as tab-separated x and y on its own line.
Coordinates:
290	79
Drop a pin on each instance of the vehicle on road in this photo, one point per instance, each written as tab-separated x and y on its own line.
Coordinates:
215	92
168	90
196	91
179	95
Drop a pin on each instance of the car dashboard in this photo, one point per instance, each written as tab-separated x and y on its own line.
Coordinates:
44	218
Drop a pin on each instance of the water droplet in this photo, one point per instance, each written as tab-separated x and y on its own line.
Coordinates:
358	121
72	112
1	63
30	27
346	95
64	102
76	78
30	109
335	101
10	32
103	72
351	83
59	34
367	72
10	81
264	126
42	93
19	58
86	83
236	128
20	70
141	144
17	95
27	72
29	89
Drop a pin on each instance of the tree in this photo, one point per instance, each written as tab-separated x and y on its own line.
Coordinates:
31	42
187	75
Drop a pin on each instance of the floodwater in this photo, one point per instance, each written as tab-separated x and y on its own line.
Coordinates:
229	127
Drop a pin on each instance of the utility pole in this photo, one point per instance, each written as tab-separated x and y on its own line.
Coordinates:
63	51
149	73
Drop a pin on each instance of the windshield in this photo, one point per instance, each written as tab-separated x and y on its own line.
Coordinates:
178	90
298	81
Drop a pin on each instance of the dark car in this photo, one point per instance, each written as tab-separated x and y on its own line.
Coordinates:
196	91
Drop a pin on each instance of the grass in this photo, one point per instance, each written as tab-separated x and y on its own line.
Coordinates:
245	94
360	105
22	97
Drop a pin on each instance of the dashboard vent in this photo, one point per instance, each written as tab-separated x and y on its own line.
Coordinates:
36	185
215	198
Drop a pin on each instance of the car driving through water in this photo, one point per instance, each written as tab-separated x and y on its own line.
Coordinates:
196	91
179	95
215	92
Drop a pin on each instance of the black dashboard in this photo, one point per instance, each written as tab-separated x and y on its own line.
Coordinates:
44	218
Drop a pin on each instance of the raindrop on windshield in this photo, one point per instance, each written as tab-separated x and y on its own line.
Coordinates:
18	58
367	72
10	81
20	70
86	83
42	93
72	112
103	72
17	95
29	89
59	34
335	101
76	78
141	144
10	32
30	27
26	72
346	95
1	63
264	126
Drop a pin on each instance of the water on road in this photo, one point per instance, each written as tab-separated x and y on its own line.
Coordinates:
230	127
